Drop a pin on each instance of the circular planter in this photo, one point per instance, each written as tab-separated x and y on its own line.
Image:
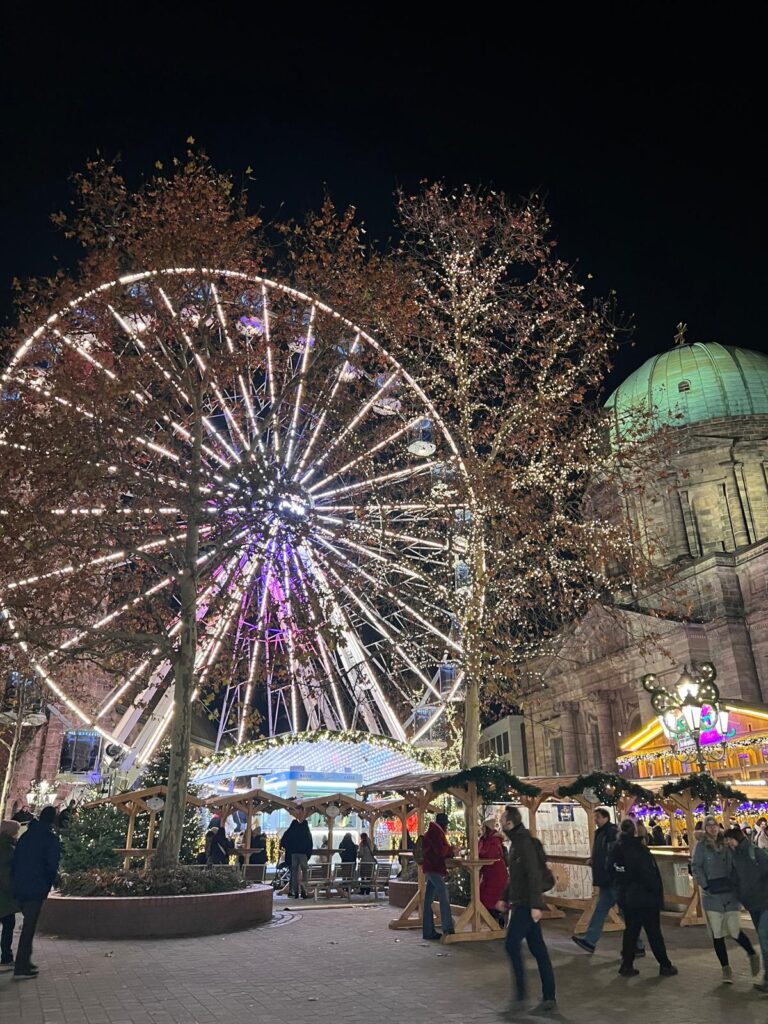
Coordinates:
400	893
155	917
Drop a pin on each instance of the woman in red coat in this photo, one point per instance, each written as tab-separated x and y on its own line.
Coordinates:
493	877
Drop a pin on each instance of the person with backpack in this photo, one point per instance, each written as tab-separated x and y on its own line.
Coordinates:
641	896
432	852
529	879
711	866
606	834
749	875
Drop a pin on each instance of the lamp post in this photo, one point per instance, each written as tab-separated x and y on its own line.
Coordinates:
694	691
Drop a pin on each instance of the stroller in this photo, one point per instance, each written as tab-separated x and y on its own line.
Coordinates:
282	876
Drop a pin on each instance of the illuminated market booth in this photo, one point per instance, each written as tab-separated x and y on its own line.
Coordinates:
734	743
307	773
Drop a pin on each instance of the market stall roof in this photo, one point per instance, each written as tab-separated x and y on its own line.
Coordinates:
254	801
409	782
362	755
318	804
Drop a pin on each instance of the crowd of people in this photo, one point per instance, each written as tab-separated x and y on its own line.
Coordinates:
730	866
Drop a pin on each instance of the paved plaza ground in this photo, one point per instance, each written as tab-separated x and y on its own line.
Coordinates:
343	964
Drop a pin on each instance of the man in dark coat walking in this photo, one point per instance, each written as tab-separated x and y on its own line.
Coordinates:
641	896
35	866
524	896
606	834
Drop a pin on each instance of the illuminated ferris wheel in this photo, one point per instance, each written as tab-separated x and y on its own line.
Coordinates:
340	491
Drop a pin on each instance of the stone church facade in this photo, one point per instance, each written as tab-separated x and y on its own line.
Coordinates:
703	523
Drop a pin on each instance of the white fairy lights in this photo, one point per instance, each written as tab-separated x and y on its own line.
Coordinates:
318	586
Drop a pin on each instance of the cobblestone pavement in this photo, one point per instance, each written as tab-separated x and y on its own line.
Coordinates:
339	965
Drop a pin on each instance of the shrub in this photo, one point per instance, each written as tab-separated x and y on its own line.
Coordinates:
91	838
176	881
458	884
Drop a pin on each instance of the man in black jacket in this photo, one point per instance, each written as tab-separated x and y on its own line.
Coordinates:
35	866
524	896
641	896
606	835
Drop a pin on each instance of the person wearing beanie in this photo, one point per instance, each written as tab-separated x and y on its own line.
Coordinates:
35	866
641	896
711	866
8	905
750	883
524	896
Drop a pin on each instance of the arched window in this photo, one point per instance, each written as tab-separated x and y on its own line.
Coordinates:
684	385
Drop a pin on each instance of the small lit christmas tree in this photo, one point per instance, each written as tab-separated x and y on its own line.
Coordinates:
156	774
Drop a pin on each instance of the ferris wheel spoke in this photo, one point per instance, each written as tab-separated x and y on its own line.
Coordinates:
397	475
319	641
378	622
255	647
300	389
403	568
371	530
53	685
390	717
393	596
352	424
320	421
366	454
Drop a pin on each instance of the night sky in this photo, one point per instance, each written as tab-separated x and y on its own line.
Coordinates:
642	134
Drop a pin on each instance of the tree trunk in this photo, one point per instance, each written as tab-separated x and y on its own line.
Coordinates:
13	750
470	748
472	640
172	827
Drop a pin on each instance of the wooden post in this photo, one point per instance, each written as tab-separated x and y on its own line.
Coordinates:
248	828
129	835
150	836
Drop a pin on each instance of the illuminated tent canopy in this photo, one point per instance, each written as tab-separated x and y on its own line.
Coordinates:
345	760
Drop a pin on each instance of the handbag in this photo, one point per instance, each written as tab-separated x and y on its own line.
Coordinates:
718	886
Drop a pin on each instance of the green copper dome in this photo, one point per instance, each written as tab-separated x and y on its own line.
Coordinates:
690	384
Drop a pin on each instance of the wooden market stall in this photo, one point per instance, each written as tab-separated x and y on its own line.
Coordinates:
250	803
471	923
143	801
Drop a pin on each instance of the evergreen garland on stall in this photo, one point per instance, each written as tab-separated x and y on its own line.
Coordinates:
494	784
609	788
704	788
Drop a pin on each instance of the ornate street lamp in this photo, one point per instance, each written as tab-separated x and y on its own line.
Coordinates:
694	701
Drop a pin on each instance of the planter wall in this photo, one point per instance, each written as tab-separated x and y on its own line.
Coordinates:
153	917
400	893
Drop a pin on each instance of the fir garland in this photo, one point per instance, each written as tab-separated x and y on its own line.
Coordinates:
608	788
355	736
704	788
493	784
